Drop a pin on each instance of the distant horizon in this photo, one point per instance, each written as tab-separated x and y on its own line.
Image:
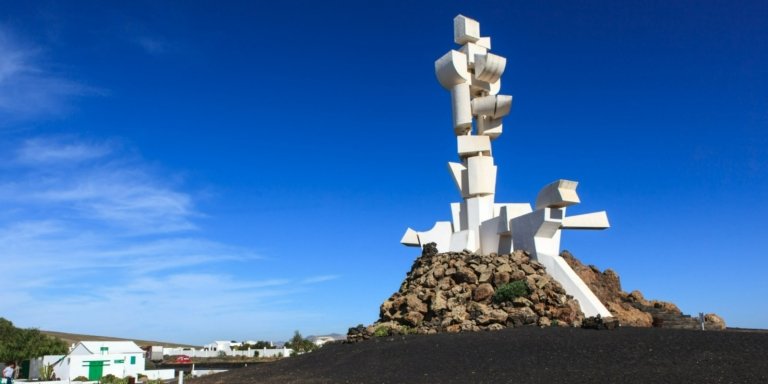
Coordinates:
198	171
169	342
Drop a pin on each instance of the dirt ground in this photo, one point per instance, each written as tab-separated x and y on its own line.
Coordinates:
527	355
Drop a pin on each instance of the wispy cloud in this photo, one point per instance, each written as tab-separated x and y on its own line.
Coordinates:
44	150
87	227
27	89
206	305
81	206
92	235
97	182
152	45
319	279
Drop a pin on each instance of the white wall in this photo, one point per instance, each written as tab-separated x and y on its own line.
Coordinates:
37	363
204	372
283	352
162	374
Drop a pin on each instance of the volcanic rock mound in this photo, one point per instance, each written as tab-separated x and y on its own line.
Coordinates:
455	292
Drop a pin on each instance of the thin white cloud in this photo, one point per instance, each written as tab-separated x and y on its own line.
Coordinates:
71	208
116	190
89	228
44	150
152	45
206	306
27	90
319	279
93	239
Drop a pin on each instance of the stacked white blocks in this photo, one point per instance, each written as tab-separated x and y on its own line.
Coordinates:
473	76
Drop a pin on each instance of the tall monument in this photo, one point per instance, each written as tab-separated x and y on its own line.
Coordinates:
473	76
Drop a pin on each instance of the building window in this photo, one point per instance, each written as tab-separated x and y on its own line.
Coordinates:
133	360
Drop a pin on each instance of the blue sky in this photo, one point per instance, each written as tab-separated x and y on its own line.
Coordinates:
191	171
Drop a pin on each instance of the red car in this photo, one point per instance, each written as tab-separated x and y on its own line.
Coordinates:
183	359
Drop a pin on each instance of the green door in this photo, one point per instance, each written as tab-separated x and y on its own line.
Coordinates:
95	370
24	374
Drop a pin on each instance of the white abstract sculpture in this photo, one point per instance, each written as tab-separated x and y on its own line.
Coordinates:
473	76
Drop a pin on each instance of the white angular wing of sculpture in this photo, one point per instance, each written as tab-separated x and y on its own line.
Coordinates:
473	76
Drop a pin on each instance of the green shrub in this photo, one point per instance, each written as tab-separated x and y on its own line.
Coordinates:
46	372
382	331
299	344
80	378
510	291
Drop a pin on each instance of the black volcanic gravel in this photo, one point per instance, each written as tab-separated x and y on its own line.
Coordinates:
526	355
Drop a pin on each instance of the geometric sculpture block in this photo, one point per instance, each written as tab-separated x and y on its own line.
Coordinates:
452	69
488	126
440	234
465	30
561	193
459	222
473	76
460	177
473	51
484	42
496	106
473	146
466	240
481	175
595	220
488	67
453	74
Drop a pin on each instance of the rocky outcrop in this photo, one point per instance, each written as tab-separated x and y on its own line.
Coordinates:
456	292
632	309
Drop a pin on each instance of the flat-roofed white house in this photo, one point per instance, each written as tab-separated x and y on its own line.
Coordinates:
96	359
221	346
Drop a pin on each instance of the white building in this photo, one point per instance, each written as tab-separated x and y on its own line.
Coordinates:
228	348
96	359
221	346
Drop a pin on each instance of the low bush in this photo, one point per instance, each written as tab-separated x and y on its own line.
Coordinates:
382	331
510	291
80	378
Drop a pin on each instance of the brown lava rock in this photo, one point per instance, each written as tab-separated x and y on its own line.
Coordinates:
454	292
457	292
632	309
